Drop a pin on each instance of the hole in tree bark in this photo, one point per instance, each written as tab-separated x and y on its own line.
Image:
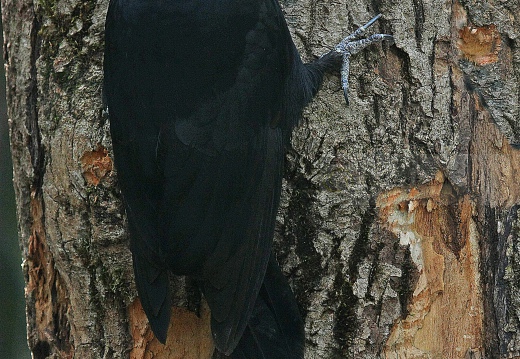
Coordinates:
41	350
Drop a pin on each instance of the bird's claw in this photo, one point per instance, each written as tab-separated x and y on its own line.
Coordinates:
353	44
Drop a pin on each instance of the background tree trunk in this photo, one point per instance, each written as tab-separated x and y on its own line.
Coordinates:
398	227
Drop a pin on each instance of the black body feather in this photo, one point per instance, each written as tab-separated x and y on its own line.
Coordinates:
202	98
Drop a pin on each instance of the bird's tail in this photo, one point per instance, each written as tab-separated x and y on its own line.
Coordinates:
275	329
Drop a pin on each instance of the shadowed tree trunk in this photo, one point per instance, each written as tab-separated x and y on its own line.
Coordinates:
398	228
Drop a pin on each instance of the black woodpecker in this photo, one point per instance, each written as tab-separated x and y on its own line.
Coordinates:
202	97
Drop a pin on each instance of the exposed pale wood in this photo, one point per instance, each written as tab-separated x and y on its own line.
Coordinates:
189	336
445	314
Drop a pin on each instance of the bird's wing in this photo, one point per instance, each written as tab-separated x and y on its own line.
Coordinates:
194	94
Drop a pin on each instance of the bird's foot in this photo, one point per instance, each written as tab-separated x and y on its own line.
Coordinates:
353	44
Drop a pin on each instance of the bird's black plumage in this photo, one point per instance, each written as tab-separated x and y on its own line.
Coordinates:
202	97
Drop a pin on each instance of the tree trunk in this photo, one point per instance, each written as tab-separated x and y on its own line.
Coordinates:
398	227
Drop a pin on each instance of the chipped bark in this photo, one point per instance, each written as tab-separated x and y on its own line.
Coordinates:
46	294
96	165
189	335
480	44
398	229
445	315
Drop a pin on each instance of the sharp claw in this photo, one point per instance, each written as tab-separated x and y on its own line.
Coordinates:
372	21
345	94
345	67
360	30
387	38
347	43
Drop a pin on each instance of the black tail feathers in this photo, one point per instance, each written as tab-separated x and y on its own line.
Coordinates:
275	329
153	288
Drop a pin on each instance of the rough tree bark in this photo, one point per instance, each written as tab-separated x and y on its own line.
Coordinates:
399	224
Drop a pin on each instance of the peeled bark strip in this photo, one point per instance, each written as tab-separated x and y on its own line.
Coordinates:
399	227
